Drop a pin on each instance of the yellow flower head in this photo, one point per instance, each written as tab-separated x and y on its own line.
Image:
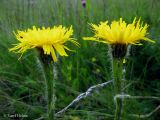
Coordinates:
47	39
119	32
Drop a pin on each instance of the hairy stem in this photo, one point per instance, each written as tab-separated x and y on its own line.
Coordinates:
117	67
50	90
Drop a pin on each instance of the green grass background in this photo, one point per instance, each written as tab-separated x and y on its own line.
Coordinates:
22	85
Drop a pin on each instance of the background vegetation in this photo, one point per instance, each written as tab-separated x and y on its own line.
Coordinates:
21	83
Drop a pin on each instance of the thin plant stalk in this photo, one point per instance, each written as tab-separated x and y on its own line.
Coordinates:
117	67
50	90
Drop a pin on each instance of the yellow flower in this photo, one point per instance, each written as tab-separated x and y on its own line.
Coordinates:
119	32
47	39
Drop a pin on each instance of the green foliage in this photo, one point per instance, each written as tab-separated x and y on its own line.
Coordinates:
22	84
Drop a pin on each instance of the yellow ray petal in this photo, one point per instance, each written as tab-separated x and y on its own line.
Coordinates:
53	54
59	48
68	49
47	49
147	39
94	39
